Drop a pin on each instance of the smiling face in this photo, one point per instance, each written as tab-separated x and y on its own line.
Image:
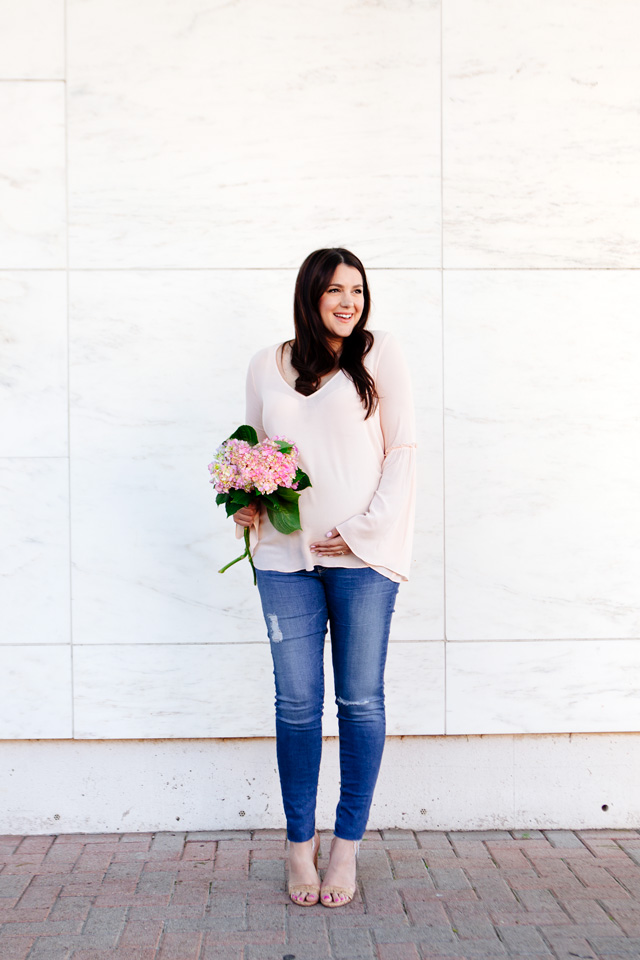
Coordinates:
342	303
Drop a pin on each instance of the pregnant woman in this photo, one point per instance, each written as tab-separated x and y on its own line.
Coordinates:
342	394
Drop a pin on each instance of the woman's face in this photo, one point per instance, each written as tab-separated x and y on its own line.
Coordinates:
342	303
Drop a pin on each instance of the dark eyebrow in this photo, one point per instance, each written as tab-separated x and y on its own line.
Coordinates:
341	285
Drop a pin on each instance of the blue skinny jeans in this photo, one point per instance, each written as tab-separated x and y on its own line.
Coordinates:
357	604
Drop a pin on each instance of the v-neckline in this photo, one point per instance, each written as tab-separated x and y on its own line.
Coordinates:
293	390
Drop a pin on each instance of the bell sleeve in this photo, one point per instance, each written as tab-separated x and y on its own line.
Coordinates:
383	536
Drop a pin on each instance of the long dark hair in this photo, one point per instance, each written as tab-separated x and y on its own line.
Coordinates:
311	352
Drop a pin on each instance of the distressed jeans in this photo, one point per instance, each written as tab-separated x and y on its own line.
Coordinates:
357	604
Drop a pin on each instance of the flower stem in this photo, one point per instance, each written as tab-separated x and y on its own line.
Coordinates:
247	553
237	560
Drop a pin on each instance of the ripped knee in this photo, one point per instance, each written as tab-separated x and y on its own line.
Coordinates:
360	708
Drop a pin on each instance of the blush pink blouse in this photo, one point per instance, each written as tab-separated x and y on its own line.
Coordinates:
363	472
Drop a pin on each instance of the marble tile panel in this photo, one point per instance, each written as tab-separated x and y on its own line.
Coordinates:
33	364
32	175
148	541
173	690
158	359
32	40
225	690
536	686
414	688
247	135
34	550
157	368
540	134
35	692
542	462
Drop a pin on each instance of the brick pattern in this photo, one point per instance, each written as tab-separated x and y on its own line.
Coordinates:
220	895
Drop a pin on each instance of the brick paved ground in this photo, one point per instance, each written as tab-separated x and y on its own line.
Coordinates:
221	896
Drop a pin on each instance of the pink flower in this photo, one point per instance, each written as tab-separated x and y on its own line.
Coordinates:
263	467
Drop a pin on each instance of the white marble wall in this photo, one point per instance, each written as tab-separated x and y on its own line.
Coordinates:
164	169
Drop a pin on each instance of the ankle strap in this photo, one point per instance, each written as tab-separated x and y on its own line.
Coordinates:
312	841
356	844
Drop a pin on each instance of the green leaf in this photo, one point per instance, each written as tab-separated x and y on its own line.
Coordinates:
222	498
245	432
236	500
284	446
302	480
284	493
285	520
240	496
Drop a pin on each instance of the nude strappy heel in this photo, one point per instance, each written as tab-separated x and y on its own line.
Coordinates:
346	894
304	889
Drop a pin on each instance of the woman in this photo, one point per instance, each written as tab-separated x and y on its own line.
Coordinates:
341	393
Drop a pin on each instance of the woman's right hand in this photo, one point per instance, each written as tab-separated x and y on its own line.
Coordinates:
246	515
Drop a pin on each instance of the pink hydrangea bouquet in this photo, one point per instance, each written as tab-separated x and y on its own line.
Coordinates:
243	470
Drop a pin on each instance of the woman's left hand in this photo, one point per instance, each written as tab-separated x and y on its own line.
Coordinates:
332	546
